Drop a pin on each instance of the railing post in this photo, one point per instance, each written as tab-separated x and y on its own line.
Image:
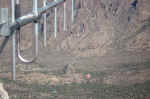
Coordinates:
64	16
36	26
55	22
13	41
45	25
72	10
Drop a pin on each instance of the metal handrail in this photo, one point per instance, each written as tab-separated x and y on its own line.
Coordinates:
9	29
30	17
12	28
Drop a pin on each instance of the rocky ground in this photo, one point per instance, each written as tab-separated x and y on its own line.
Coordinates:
59	75
104	54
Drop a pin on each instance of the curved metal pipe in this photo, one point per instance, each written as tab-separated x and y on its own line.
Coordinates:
19	51
36	40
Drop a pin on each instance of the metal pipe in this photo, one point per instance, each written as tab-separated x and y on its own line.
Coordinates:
18	36
55	22
36	30
36	26
28	18
16	24
45	25
72	10
50	5
8	29
19	52
64	16
13	41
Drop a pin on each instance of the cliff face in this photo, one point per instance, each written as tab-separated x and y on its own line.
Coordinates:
100	26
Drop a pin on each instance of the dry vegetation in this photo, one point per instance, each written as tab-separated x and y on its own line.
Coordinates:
104	54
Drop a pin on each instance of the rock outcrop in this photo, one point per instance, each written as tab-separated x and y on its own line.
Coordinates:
3	92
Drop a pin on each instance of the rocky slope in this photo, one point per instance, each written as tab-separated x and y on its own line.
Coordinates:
100	27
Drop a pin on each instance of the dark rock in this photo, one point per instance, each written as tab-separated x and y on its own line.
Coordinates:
69	69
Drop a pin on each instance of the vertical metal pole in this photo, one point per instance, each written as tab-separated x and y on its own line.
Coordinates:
64	16
72	10
36	28
45	26
13	41
55	23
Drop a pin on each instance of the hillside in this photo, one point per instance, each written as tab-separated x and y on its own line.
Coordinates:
103	54
103	26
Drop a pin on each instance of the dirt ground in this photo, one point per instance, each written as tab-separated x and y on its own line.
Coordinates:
120	75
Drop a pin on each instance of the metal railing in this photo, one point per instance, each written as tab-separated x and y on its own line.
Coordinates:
12	29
